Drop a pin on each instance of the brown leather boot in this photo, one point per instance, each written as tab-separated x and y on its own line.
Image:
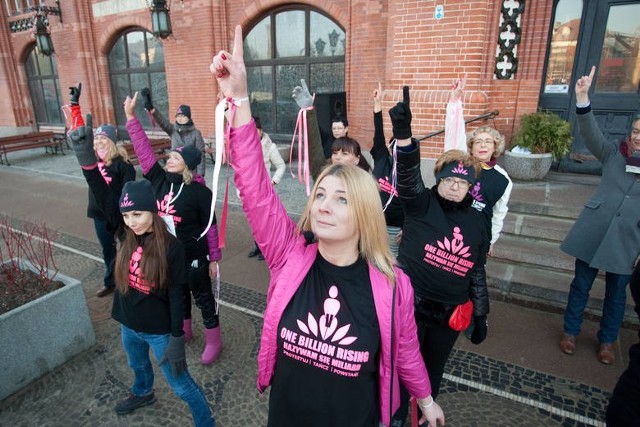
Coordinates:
606	354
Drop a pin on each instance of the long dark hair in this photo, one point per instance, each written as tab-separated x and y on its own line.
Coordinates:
153	265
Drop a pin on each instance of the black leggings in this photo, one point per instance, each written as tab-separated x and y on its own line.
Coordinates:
199	285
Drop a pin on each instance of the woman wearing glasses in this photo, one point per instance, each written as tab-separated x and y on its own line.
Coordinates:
444	241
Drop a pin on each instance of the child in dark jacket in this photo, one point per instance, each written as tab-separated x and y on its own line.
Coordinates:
149	276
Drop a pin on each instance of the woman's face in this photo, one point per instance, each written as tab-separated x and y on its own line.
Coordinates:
483	147
341	157
175	163
330	216
338	129
453	189
102	145
634	138
181	119
139	222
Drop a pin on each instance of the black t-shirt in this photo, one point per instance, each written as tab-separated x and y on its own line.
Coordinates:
486	192
328	344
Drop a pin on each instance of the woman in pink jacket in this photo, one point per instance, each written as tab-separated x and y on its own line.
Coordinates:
339	332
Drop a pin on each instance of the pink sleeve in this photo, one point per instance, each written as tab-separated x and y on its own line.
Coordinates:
214	246
141	145
273	230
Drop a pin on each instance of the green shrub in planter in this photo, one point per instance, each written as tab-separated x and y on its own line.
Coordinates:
544	132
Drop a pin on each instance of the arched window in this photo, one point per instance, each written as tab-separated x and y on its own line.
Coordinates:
44	88
283	47
136	61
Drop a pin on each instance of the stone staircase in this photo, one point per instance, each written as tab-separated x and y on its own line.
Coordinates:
527	266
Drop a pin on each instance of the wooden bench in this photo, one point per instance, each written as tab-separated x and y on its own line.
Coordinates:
159	146
48	140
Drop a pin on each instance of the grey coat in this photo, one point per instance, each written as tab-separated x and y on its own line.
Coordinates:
182	135
607	232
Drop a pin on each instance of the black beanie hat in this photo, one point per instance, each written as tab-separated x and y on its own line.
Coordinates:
138	196
185	110
191	155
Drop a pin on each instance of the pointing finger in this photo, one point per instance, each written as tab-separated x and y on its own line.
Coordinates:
304	85
238	48
592	73
405	95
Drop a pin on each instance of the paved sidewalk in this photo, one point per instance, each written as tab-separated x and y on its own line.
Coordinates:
516	377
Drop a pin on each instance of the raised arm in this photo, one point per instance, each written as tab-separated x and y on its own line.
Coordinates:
272	228
589	131
455	136
139	139
410	184
303	98
379	149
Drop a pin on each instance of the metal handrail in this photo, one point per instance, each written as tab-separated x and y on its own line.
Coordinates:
484	117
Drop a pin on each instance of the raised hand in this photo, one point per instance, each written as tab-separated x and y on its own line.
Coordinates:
230	70
456	88
81	140
401	117
302	96
146	97
130	106
582	87
377	99
74	92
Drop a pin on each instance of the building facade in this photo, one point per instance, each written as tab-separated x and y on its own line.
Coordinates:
518	56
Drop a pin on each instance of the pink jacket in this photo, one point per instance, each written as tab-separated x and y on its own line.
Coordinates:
289	259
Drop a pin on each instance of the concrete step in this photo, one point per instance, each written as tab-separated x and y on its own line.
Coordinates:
548	228
545	254
545	289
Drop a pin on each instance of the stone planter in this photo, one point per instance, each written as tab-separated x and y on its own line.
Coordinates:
43	334
527	167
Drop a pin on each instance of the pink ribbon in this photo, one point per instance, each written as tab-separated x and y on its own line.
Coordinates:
303	149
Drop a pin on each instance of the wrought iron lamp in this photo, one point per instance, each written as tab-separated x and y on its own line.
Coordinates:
40	30
43	39
160	20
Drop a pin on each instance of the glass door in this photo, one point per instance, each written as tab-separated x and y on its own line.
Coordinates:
604	33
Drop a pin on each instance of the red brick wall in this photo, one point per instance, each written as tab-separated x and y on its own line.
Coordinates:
395	42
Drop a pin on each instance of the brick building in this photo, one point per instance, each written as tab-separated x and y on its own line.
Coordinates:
518	56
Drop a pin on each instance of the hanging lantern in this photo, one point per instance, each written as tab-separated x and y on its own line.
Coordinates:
43	39
160	20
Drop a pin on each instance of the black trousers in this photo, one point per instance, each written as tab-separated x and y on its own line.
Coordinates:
199	285
436	340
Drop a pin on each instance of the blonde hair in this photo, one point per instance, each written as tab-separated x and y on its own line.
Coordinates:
115	150
498	139
366	210
187	176
456	156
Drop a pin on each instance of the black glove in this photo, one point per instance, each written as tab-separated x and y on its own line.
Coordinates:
302	96
479	329
146	95
175	356
74	92
401	117
81	140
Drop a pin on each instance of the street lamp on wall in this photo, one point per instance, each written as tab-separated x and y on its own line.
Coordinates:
43	39
160	20
39	26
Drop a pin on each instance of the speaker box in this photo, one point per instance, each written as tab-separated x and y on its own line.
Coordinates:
328	106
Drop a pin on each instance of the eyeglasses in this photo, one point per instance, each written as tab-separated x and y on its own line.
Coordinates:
450	182
487	141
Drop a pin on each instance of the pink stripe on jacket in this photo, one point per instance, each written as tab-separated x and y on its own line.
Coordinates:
289	259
